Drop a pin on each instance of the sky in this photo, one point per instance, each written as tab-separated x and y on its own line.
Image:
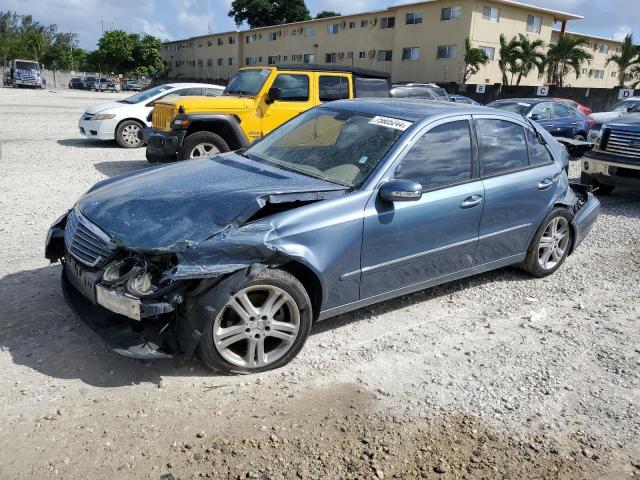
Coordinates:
176	19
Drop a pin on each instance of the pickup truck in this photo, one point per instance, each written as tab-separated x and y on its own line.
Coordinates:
615	159
256	101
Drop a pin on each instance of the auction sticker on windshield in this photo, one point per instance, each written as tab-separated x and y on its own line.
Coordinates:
390	123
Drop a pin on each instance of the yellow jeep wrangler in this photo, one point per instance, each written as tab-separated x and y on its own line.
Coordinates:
257	100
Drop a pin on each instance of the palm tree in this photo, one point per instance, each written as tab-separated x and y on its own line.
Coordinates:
507	62
625	61
474	58
565	55
529	57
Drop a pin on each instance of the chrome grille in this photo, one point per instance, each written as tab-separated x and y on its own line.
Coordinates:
162	116
86	242
623	142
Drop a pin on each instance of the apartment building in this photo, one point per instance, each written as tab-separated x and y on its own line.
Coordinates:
419	42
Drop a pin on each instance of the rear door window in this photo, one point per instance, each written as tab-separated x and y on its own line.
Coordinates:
401	92
371	87
544	111
538	151
293	88
503	147
441	157
562	111
213	92
333	88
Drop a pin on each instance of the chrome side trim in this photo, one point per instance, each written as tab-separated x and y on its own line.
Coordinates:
506	230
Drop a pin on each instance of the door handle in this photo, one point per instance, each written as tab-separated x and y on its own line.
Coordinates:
472	201
545	184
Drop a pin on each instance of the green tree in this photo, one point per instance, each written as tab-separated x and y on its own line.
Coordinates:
627	60
473	59
508	62
147	61
327	14
264	13
529	56
116	50
565	55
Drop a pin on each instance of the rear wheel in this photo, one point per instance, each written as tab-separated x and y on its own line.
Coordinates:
127	134
258	325
551	244
202	145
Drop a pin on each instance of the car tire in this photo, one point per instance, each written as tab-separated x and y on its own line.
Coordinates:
551	244
201	145
126	132
600	189
234	357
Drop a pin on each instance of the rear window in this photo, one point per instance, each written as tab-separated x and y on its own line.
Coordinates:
516	107
333	88
371	87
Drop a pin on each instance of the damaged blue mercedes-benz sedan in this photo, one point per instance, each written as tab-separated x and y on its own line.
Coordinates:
348	204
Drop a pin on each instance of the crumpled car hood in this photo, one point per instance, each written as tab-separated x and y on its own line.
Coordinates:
179	205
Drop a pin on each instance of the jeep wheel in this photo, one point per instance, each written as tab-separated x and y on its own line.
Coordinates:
127	134
202	145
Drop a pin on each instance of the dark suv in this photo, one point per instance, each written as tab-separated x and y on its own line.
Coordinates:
615	160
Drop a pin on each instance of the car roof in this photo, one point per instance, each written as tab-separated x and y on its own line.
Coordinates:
313	67
181	85
414	110
532	101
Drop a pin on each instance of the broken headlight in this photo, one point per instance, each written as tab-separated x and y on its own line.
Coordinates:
139	276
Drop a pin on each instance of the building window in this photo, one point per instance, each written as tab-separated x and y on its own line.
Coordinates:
285	58
413	18
199	44
364	23
446	52
352	25
330	57
220	41
388	22
534	23
309	58
385	55
200	62
209	62
219	62
259	36
598	74
602	48
250	61
491	14
332	29
232	40
450	13
309	32
272	59
230	61
490	51
349	55
411	53
250	38
273	36
362	54
209	43
294	32
613	74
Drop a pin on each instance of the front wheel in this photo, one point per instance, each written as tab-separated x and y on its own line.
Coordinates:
551	244
202	145
258	325
127	134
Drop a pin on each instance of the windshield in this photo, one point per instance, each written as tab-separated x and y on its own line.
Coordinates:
335	145
439	92
517	107
27	66
622	105
147	94
247	82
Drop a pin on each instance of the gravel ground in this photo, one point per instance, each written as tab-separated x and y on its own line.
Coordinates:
496	376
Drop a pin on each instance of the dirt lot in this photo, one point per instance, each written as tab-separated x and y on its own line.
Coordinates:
497	376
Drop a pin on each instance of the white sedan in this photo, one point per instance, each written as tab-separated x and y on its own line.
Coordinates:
121	120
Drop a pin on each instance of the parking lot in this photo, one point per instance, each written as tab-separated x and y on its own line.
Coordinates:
496	376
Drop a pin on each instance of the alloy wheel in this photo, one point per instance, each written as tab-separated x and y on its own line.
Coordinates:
257	326
203	150
130	135
554	243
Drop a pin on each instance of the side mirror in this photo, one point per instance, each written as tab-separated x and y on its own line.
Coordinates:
401	191
535	117
273	95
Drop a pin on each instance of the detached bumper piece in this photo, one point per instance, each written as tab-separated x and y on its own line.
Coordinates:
161	146
148	339
586	211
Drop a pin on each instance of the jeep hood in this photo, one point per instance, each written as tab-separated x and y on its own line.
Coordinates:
173	207
628	121
221	103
